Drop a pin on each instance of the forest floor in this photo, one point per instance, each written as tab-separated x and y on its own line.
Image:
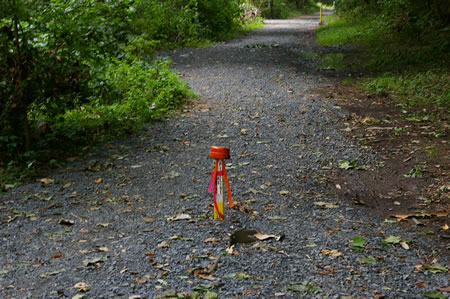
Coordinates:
349	203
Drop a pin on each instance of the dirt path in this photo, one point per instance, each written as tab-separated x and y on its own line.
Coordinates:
105	220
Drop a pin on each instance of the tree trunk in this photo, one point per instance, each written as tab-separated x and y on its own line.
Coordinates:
18	116
271	9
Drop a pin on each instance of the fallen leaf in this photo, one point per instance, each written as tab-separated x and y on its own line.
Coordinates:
66	222
284	192
104	224
88	262
140	281
149	219
404	245
136	166
171	175
46	198
178	237
179	217
78	296
103	249
277	218
444	290
420	284
445	227
358	243
211	295
366	259
377	295
99	180
436	268
208	277
211	240
239	275
392	240
434	295
326	205
81	286
332	253
262	237
163	244
47	274
47	181
57	256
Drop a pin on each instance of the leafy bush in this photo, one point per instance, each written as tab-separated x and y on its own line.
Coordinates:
144	92
185	22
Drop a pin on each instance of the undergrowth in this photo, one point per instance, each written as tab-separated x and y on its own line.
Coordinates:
412	68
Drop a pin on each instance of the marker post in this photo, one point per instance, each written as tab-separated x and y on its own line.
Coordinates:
218	179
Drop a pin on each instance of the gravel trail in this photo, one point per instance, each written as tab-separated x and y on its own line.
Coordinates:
103	221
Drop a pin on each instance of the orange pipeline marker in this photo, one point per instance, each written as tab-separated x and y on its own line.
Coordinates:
218	176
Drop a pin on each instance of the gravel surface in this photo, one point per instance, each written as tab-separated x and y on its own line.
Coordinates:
103	221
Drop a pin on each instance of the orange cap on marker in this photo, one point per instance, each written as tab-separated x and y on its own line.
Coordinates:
219	152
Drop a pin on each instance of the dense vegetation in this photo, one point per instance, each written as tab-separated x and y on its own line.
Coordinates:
406	45
74	73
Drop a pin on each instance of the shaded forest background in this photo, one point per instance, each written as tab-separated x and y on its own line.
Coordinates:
75	73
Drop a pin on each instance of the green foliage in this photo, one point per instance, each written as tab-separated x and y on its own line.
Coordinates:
186	22
282	9
358	243
143	92
414	89
412	68
333	61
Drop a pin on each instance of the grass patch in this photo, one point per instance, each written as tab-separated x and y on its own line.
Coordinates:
421	89
333	61
412	68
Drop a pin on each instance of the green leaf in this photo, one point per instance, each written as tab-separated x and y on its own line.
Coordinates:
436	268
211	295
239	275
303	287
366	259
434	295
392	240
201	287
389	221
359	242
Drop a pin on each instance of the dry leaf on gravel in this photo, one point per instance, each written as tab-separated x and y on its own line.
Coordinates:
171	175
326	205
47	181
211	240
93	261
81	286
332	253
149	219
66	222
163	244
404	245
262	237
179	217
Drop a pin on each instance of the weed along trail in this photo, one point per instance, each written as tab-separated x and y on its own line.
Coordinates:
134	218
